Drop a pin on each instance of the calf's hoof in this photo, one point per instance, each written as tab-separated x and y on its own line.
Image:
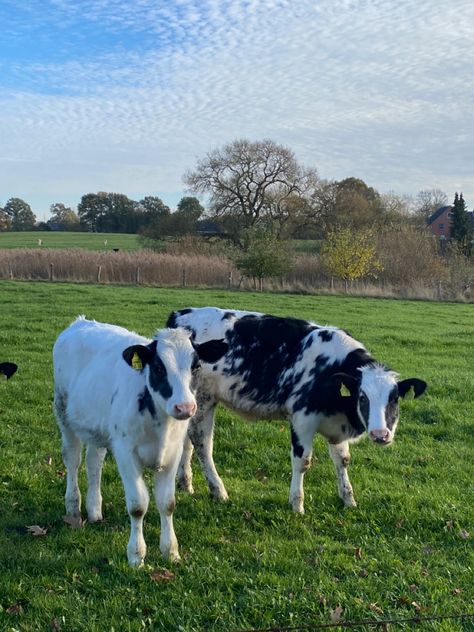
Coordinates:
185	485
218	493
297	504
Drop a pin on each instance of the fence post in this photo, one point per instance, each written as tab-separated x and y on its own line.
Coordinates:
11	272
51	271
99	270
183	280
138	275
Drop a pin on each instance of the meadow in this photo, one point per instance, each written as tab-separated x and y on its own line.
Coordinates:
405	552
60	239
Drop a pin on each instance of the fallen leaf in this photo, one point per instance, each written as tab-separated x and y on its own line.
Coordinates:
363	573
75	522
358	553
36	530
336	614
449	525
322	600
375	608
15	608
457	591
49	460
464	534
55	624
427	550
413	587
424	572
162	575
416	606
60	473
399	524
247	515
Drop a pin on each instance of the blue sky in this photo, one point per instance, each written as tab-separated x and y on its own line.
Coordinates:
125	96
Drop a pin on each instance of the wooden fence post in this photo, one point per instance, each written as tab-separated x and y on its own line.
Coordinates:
99	270
138	275
183	280
51	271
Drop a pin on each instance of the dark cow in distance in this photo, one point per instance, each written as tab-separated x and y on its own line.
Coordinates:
8	369
268	367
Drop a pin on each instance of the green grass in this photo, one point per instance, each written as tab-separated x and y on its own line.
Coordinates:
89	241
250	562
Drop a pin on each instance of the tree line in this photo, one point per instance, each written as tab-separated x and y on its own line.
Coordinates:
259	196
106	213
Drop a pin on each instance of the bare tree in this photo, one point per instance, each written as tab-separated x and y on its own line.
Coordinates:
250	181
428	201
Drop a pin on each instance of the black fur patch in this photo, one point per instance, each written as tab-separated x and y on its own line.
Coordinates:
158	377
295	442
325	335
172	321
145	402
228	315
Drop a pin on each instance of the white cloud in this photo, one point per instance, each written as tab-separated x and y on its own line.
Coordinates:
379	90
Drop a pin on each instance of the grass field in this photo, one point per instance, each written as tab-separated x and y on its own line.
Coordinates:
405	551
90	241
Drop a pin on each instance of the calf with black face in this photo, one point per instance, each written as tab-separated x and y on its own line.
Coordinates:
320	378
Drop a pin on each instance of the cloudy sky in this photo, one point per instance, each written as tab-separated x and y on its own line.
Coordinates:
125	95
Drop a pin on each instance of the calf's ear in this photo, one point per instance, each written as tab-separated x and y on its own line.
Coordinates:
211	351
7	369
137	356
344	383
419	387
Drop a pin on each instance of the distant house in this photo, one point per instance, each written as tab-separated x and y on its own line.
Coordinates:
440	222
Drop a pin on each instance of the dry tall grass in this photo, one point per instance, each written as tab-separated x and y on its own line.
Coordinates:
424	277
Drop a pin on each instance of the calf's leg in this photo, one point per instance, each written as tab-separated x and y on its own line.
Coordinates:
185	472
72	454
94	461
341	457
201	433
165	500
136	496
302	435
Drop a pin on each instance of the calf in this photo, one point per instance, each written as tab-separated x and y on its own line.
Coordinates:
115	389
7	369
320	378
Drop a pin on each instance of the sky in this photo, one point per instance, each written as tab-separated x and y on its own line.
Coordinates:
126	95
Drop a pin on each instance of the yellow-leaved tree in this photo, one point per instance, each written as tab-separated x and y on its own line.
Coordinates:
350	255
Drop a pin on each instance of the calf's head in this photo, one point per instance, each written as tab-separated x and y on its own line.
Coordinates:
376	395
168	363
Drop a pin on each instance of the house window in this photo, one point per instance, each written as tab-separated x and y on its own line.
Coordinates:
441	226
450	215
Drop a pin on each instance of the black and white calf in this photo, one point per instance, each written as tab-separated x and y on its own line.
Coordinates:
320	378
115	389
7	369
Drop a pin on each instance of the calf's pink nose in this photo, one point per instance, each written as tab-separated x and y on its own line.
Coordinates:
185	410
380	434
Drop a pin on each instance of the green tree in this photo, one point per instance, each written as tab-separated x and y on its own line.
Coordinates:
183	220
461	231
250	181
20	214
350	255
263	255
63	217
108	213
